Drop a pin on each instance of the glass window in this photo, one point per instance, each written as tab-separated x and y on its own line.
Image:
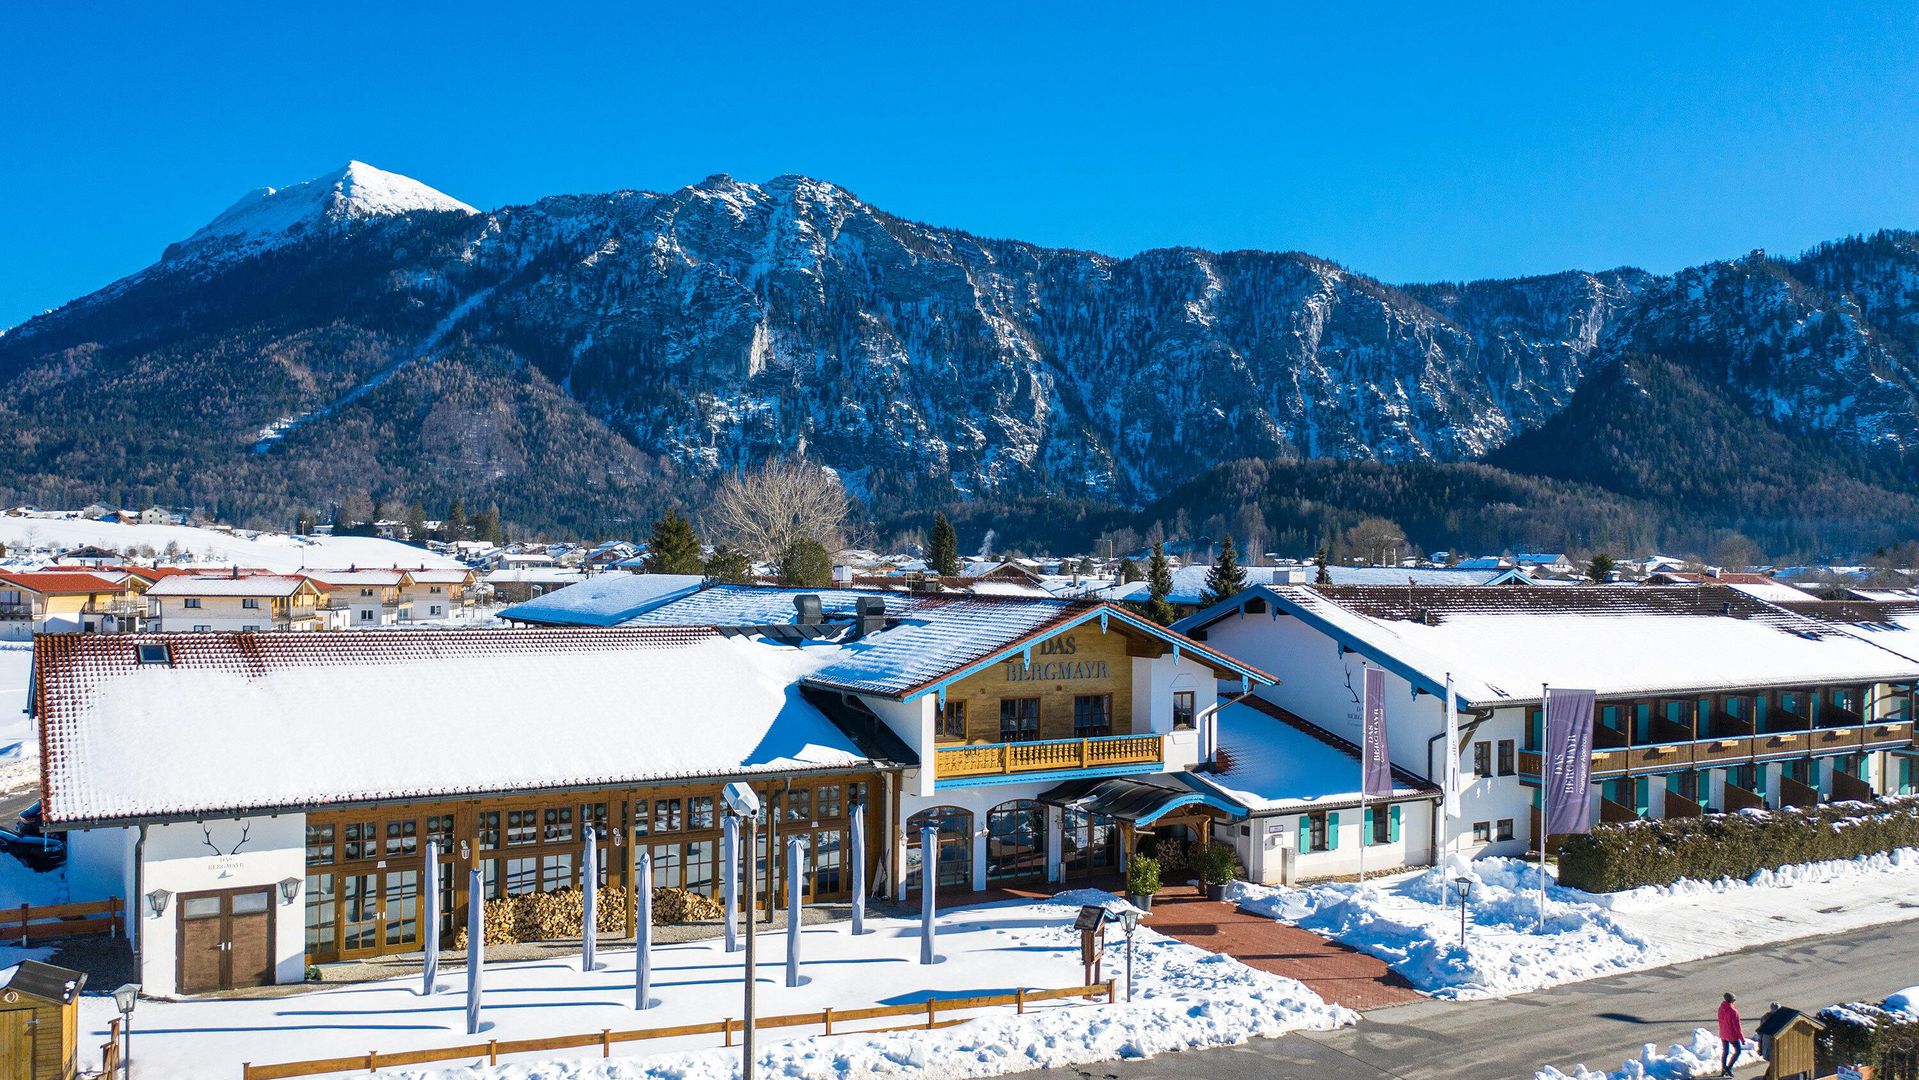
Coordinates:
1316	832
439	828
799	805
827	851
950	720
489	830
522	876
402	837
320	845
702	859
200	907
1092	716
1508	757
1482	759
699	812
1505	829
522	827
666	866
1482	832
1184	714
559	823
1018	719
666	815
321	915
954	837
856	794
639	817
829	800
558	872
250	603
1382	824
361	841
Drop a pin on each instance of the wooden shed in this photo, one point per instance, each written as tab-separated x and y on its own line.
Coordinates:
39	1022
1788	1040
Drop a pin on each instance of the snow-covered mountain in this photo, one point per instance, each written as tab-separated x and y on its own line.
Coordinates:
391	336
336	202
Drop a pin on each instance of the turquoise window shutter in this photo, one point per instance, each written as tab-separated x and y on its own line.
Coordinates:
1332	831
1642	795
1392	823
1366	834
1305	834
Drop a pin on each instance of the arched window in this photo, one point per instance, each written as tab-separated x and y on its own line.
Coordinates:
1016	842
955	859
1090	845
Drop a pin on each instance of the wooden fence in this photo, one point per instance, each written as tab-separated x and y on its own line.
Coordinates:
26	924
493	1049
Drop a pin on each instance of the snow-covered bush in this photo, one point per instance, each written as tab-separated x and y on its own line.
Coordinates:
1626	856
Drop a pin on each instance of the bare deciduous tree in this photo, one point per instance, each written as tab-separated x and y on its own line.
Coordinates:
764	510
1375	539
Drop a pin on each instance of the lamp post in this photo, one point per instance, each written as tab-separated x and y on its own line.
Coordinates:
742	802
124	999
1463	886
1129	919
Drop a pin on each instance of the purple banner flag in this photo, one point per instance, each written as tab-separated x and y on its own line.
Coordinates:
1376	770
1566	761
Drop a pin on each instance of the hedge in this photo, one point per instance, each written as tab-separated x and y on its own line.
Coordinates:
1630	854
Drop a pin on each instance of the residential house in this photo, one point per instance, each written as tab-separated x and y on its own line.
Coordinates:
68	601
437	594
1709	700
368	598
235	601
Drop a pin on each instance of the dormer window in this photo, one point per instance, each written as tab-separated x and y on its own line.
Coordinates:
153	654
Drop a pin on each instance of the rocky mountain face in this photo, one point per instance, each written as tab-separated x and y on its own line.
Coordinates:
586	358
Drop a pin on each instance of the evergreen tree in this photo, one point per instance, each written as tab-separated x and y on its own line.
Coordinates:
1600	568
1321	575
729	566
943	553
454	527
674	547
1086	566
1129	571
416	522
1227	576
1159	585
806	564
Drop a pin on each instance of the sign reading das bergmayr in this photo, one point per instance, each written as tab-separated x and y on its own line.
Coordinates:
1018	670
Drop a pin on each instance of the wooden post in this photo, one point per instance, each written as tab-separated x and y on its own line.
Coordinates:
606	1042
932	1010
727	1025
370	1055
493	1051
826	1018
1085	747
1005	758
1109	990
1019	1000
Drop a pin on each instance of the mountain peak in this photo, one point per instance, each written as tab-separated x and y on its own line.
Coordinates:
355	192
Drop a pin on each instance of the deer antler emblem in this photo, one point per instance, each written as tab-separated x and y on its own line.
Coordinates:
207	838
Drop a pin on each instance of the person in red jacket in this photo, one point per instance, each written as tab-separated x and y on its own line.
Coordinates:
1732	1035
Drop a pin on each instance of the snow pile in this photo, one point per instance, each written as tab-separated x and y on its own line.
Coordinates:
1698	1058
1412	920
19	750
1905	1001
1186	998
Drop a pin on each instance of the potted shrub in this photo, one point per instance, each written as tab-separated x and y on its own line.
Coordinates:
1142	881
1216	864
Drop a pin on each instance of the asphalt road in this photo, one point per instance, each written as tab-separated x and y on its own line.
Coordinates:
1599	1023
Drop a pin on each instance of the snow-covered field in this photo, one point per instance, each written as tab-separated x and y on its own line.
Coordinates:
1187	998
268	551
1411	920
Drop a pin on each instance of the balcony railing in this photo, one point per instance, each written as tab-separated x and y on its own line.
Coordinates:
1709	753
1052	755
16	611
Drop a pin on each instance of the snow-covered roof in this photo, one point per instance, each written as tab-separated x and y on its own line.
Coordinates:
1271	761
248	585
604	599
363	578
63	581
434	576
228	724
1503	644
763	605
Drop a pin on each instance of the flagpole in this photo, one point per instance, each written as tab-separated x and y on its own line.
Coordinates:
1449	724
1545	799
1365	835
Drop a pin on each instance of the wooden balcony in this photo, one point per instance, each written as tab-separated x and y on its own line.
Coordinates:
1713	751
1793	744
1052	755
1893	734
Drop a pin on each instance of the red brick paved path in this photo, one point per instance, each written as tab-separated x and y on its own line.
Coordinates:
1333	971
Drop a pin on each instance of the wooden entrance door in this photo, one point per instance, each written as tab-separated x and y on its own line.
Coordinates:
226	940
16	1044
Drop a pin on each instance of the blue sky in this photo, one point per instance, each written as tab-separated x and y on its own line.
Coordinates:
1413	145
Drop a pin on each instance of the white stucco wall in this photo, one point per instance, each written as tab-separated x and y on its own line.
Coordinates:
912	721
181	858
1263	844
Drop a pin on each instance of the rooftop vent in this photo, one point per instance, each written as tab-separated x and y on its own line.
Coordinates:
808	607
872	614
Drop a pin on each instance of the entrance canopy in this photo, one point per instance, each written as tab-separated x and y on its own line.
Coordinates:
1137	801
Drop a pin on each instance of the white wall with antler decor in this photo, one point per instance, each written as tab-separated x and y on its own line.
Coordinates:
217	854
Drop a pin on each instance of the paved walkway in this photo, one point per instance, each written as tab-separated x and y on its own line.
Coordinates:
1336	973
